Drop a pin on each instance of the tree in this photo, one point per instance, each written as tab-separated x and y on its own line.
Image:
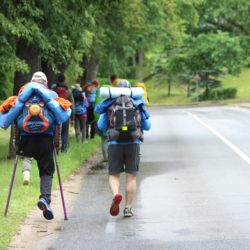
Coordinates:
227	16
209	56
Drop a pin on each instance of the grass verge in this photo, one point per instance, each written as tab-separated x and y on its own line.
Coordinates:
25	197
158	92
4	143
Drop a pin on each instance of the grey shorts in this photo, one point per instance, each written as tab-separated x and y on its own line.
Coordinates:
123	158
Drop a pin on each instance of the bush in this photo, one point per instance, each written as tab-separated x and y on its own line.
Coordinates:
103	81
218	94
222	93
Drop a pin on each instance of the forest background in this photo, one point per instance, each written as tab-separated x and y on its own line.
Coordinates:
184	44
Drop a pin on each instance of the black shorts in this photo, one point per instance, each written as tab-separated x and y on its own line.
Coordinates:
123	158
41	148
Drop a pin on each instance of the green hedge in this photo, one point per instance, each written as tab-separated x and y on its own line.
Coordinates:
219	94
223	93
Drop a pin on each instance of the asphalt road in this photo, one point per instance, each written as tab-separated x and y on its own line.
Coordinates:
193	188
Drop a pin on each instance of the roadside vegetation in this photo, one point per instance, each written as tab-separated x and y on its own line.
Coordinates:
159	95
25	197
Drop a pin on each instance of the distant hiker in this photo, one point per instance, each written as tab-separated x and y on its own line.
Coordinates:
91	90
26	161
123	119
36	112
102	134
63	91
80	118
114	80
145	93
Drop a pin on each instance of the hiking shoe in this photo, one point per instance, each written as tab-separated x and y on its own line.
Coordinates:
128	212
26	177
114	209
43	205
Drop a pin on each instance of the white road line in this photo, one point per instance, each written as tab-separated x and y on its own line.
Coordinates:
225	140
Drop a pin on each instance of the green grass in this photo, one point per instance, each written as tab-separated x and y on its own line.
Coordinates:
24	198
4	142
242	83
158	92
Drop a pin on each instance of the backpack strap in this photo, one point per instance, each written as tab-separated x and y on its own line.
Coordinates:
109	93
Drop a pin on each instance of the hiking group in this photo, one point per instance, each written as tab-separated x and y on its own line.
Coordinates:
41	118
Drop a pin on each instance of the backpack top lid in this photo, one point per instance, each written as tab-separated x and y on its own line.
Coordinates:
78	87
39	77
123	84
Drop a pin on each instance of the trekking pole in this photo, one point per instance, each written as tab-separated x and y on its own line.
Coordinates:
60	185
11	186
60	137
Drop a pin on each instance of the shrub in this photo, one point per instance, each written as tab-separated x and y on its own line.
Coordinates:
219	94
223	93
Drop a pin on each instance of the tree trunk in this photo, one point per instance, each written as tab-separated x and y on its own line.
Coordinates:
141	59
51	76
31	57
169	86
134	67
92	69
84	66
188	89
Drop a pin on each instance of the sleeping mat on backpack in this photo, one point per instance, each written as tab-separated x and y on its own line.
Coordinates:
114	92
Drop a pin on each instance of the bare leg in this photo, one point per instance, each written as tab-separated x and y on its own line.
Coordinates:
114	183
130	189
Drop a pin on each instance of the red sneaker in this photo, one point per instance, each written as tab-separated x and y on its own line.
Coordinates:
114	209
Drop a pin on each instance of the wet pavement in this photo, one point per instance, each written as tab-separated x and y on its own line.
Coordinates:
193	188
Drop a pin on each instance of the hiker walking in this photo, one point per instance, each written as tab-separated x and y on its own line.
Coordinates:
80	117
36	113
63	91
114	80
145	93
91	90
102	134
123	119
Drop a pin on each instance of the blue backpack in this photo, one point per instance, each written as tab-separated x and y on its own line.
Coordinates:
35	117
80	107
80	103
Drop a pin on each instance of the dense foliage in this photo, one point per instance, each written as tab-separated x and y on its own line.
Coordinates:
88	39
216	46
84	38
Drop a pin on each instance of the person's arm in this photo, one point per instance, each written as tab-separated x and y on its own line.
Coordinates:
71	99
146	124
86	101
146	121
102	123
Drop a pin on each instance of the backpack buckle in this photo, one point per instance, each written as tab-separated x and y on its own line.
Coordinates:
124	128
34	109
